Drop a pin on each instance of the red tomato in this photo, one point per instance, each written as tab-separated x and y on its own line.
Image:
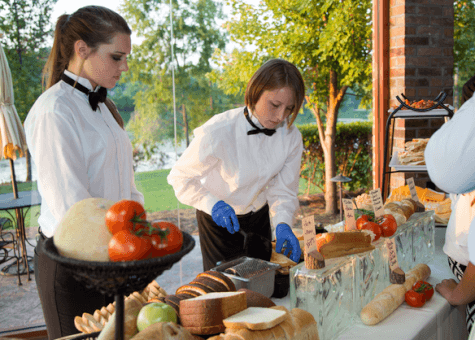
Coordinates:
424	288
125	215
388	225
361	220
126	246
415	299
168	239
374	227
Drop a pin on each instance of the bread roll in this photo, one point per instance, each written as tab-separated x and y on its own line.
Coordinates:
164	331
132	308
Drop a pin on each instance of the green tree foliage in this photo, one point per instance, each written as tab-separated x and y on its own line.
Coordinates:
330	41
26	26
196	35
464	39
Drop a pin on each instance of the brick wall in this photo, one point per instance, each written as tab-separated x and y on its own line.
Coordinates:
421	66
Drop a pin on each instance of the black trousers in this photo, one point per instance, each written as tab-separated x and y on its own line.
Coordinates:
217	244
62	297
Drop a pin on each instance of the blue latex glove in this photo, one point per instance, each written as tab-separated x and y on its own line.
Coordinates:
285	235
224	216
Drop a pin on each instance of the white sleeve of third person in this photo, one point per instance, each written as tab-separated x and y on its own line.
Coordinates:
450	153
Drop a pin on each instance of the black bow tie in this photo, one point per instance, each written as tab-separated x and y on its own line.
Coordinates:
94	97
267	132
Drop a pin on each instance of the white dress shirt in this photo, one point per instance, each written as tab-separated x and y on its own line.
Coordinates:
223	163
450	153
79	153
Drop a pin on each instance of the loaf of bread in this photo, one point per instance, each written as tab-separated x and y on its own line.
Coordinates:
205	314
255	299
219	277
338	244
298	324
392	297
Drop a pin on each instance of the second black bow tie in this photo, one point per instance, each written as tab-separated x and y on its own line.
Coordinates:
94	97
267	132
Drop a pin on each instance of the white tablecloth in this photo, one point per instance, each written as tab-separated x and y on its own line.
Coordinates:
436	320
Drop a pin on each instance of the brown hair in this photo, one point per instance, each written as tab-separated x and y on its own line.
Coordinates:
275	74
95	25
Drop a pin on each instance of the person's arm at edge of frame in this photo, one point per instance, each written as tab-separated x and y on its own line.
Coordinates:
461	293
450	152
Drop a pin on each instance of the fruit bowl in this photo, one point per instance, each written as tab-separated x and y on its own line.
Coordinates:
123	278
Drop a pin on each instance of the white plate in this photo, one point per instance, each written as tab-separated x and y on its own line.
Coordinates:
394	163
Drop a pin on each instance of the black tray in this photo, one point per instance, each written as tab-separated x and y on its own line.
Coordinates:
118	277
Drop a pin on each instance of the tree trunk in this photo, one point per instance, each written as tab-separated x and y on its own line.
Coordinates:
334	101
28	166
185	125
328	137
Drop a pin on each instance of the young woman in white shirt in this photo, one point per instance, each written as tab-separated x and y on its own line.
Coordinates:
78	143
242	167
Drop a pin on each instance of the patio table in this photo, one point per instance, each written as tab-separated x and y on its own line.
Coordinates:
17	208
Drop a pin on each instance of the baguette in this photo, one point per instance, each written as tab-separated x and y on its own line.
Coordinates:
392	297
338	244
383	304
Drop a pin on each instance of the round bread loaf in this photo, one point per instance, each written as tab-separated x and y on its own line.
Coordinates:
217	276
214	285
255	299
408	211
418	206
393	207
196	287
409	204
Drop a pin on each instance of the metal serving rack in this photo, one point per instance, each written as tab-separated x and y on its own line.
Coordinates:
411	113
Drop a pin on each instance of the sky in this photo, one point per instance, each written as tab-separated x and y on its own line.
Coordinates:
69	7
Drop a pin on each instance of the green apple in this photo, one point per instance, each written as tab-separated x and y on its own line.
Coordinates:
155	312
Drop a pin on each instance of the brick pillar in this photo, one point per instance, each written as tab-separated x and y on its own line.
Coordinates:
421	66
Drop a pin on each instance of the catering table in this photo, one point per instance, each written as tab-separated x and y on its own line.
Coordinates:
20	207
436	320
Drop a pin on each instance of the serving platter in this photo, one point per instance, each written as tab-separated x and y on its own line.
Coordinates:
394	163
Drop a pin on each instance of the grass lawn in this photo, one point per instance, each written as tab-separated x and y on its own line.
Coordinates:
159	195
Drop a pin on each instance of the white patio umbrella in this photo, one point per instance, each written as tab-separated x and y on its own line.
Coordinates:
12	135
